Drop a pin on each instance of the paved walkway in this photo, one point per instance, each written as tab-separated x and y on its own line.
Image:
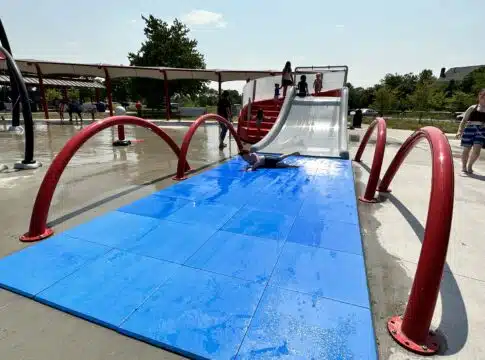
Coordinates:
393	232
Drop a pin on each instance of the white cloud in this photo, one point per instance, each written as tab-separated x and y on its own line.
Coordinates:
204	18
340	26
133	21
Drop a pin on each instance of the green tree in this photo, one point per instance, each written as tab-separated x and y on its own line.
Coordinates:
86	94
451	88
437	100
402	86
73	93
368	96
426	77
168	46
52	94
385	100
460	101
234	96
474	81
121	89
420	98
208	97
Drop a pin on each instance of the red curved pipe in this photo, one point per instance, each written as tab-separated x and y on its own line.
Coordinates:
412	331
38	229
375	171
188	136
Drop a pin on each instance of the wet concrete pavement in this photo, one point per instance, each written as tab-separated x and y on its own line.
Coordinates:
101	178
98	179
392	233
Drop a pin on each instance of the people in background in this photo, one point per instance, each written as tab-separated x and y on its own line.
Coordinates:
74	107
357	119
472	134
302	86
318	84
286	77
138	108
62	105
224	109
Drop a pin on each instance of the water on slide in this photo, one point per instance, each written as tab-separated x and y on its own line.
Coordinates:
311	126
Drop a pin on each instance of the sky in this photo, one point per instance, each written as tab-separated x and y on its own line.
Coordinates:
372	37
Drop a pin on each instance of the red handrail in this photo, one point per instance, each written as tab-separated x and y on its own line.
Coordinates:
412	331
375	171
38	229
188	136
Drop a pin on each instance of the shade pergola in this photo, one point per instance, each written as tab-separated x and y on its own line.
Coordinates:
109	72
33	81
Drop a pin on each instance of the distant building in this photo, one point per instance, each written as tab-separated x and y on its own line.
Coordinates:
457	73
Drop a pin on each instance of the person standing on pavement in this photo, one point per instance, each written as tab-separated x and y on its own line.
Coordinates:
357	119
138	108
472	134
224	110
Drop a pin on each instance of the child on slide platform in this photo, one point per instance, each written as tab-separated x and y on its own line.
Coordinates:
256	161
302	87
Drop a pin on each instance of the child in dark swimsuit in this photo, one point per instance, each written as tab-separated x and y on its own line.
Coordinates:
302	87
256	161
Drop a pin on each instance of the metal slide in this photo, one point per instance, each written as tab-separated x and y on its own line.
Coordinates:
313	126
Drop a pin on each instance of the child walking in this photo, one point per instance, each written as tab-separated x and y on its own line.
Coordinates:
256	161
472	134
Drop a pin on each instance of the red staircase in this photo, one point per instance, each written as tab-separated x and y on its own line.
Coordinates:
248	131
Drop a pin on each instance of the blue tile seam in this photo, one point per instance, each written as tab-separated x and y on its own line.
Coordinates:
265	288
86	263
220	227
262	293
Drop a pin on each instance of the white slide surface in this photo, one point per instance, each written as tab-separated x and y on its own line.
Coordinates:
313	126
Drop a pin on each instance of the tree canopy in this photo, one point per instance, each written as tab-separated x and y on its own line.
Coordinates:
166	45
419	92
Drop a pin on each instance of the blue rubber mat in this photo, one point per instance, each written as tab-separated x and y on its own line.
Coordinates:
225	265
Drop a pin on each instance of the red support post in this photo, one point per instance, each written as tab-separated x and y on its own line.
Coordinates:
181	166
167	96
42	91
38	229
375	171
64	93
412	331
